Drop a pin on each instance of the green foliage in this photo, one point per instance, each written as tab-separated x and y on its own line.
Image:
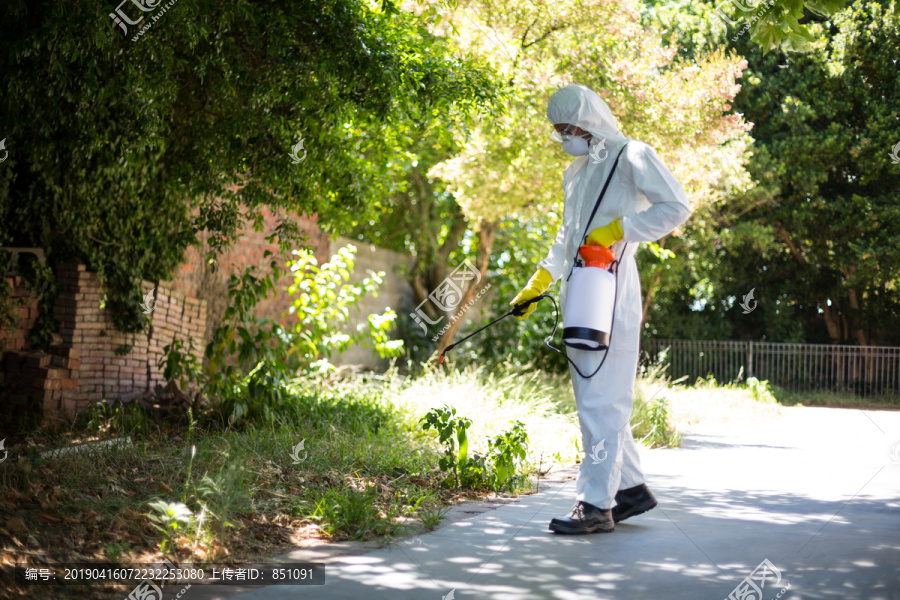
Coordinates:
650	412
498	469
125	153
451	432
253	364
322	301
114	550
223	496
171	519
762	391
431	516
815	237
352	513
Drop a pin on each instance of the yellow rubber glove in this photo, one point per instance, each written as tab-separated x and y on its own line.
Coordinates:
537	285
606	235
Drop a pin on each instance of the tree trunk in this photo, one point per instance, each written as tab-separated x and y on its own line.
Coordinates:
486	235
830	314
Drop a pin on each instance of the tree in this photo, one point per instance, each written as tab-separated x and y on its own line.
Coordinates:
816	237
123	150
508	167
826	126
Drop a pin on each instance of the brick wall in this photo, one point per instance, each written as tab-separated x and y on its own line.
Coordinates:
95	361
198	279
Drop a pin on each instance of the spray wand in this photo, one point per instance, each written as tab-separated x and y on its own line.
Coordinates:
515	310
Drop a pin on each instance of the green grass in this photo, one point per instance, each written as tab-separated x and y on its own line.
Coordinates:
368	471
835	399
493	399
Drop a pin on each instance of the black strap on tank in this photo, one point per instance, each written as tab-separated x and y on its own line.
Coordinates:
576	261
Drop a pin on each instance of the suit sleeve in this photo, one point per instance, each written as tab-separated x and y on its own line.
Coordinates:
557	255
670	206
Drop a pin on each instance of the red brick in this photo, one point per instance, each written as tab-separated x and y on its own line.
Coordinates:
68	384
49	373
65	351
73	363
46	384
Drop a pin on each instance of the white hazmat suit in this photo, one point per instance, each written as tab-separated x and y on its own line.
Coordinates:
650	204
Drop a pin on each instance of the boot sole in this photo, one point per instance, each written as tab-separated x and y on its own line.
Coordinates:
637	509
567	530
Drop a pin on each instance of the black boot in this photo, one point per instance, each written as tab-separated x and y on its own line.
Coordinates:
633	501
584	518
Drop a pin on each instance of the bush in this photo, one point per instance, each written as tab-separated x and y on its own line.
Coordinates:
496	470
252	363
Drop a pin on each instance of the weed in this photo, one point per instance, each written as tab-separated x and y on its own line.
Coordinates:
114	551
171	519
431	516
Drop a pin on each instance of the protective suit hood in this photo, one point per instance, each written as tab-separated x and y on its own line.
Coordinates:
582	107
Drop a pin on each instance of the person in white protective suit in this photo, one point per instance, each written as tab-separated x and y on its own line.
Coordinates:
643	202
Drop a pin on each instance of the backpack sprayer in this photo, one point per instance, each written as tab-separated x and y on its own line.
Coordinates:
591	305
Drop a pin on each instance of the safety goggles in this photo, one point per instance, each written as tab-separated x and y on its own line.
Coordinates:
566	134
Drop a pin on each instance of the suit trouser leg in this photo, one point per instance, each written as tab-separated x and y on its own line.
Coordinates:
604	405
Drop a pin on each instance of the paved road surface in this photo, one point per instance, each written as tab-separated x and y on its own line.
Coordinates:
815	492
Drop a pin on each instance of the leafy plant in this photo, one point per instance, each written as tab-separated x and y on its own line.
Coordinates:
114	550
252	364
352	513
650	423
322	301
760	390
431	516
496	469
172	519
451	432
507	450
224	496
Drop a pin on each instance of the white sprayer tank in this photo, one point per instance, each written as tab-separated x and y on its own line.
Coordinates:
589	308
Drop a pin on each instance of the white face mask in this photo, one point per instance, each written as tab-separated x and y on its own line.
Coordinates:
576	146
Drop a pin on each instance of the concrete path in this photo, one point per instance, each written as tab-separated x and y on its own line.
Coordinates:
815	492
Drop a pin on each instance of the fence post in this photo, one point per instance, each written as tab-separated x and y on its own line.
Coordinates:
749	360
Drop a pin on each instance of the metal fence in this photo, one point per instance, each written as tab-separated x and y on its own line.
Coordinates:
862	370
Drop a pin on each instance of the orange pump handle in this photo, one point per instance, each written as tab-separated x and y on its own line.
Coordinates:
597	256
